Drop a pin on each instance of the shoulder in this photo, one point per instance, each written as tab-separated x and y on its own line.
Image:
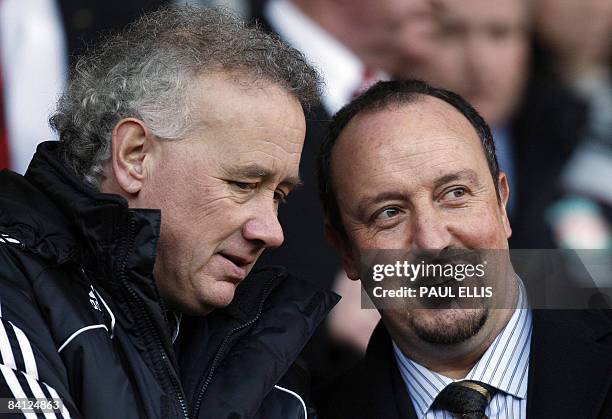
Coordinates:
32	223
279	291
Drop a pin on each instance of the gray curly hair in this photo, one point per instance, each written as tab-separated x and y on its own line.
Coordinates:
146	70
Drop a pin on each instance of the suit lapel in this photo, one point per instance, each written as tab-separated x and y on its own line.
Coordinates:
570	372
388	397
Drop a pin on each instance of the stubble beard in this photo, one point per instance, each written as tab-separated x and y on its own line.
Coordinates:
448	326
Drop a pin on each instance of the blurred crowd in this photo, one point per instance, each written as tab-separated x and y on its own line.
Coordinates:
539	72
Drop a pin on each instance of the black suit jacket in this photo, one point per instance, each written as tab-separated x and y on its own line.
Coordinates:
570	373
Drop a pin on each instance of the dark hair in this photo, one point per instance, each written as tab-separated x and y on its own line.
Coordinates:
380	96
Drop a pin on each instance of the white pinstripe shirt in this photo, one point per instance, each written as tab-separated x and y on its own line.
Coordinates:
504	365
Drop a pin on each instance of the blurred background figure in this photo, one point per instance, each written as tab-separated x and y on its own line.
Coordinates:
33	69
353	43
574	46
482	51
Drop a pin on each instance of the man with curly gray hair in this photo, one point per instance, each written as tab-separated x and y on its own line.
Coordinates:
126	250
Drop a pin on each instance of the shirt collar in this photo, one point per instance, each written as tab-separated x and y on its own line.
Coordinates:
340	69
499	365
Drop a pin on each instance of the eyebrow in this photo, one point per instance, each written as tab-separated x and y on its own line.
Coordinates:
255	170
362	207
466	174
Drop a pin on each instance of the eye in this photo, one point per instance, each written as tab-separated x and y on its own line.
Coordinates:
387	213
455	193
244	186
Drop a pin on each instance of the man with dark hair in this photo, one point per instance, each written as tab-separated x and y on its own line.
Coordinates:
125	249
407	166
481	50
353	44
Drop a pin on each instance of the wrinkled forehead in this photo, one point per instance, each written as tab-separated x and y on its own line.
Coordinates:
221	97
410	147
405	125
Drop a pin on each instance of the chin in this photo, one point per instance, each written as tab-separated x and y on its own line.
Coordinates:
211	298
218	295
448	326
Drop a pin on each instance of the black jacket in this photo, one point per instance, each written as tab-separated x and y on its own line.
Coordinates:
81	315
570	372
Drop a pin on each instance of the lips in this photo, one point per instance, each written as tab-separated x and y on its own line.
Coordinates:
237	265
240	261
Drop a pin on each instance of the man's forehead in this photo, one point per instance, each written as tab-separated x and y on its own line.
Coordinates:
414	143
417	121
220	97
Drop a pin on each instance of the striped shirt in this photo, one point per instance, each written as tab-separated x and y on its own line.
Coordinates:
504	365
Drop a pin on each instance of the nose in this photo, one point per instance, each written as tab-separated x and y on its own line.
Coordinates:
430	231
264	228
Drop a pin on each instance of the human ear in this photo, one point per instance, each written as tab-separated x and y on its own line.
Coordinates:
504	193
129	149
340	242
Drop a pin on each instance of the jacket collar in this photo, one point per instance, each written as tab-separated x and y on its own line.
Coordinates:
101	221
114	244
248	346
388	398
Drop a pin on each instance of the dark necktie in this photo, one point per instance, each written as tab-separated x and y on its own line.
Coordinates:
467	398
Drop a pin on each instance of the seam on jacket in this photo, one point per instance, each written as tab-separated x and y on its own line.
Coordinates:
293	393
78	332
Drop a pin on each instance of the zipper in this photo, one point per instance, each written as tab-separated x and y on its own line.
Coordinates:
224	343
142	314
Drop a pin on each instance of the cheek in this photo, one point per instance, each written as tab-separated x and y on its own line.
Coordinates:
397	237
193	228
485	230
215	221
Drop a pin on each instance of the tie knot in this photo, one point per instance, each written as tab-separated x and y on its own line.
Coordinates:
468	398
